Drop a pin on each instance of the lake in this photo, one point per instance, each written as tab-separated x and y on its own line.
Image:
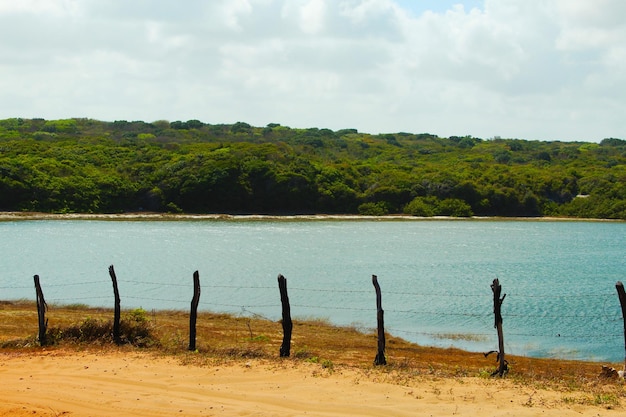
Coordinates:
558	276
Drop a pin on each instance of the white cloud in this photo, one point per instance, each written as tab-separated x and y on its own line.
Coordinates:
232	10
541	70
56	8
313	16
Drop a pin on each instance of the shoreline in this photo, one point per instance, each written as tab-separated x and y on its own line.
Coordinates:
152	216
30	306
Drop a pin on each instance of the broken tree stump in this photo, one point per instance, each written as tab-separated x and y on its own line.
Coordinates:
193	315
503	366
41	312
117	310
622	301
285	347
380	356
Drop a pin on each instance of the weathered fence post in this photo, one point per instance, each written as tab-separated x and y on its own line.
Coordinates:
380	356
285	347
116	318
497	304
41	312
193	316
622	301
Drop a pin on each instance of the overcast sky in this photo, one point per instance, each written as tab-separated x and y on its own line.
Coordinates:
531	69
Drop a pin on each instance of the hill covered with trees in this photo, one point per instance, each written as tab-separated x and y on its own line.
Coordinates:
91	166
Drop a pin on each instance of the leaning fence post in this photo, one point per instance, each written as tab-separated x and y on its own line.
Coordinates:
116	318
41	312
622	301
285	347
497	304
380	356
193	316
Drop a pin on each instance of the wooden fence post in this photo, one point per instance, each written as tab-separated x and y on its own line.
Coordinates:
116	318
285	347
41	312
193	316
380	356
622	301
503	367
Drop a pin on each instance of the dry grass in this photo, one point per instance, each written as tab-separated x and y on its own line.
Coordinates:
222	337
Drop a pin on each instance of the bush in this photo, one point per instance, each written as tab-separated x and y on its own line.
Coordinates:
373	209
135	330
454	207
419	206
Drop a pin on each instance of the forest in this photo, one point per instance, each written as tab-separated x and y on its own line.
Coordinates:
91	166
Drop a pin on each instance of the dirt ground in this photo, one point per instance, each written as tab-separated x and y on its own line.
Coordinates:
99	383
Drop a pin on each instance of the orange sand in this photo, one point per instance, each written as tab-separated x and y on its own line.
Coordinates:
60	383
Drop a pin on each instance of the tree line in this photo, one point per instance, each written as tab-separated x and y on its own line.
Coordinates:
91	166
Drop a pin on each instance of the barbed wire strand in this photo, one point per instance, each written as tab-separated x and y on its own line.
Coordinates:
247	308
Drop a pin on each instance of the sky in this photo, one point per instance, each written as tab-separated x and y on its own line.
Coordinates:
528	69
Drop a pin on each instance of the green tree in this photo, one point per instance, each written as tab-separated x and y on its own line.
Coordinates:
454	207
421	207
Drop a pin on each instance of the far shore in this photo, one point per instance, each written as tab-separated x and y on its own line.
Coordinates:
151	216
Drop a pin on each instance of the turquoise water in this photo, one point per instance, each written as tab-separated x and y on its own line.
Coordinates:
435	276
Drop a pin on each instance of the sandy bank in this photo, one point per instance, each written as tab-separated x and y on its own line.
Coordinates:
9	216
59	383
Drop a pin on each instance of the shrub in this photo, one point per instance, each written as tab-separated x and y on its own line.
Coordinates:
135	330
373	209
454	207
419	206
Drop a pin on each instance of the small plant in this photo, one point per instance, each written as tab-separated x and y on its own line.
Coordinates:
137	331
138	315
570	400
174	342
302	353
606	400
260	338
328	365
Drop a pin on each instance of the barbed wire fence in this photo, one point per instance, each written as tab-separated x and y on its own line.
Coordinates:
474	320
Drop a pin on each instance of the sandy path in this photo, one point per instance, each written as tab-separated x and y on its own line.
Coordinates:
131	384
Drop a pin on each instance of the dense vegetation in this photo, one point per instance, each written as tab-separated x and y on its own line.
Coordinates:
90	166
